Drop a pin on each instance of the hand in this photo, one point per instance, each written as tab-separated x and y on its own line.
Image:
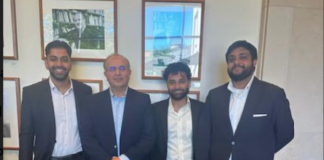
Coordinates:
115	158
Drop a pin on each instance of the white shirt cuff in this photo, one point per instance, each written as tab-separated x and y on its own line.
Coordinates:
123	157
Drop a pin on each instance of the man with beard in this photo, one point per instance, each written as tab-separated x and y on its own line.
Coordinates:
250	118
117	124
182	124
50	111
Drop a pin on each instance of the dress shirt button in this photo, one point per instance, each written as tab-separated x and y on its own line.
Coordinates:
233	143
115	146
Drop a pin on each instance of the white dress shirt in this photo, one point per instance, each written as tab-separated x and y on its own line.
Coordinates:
237	103
179	133
67	133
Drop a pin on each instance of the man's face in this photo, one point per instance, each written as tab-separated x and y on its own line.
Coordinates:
79	21
58	63
178	85
240	64
117	72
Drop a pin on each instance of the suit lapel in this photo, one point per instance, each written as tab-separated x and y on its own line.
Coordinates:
164	121
108	107
252	101
77	98
195	110
225	107
47	99
127	111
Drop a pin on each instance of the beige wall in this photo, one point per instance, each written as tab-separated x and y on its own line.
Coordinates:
225	22
293	59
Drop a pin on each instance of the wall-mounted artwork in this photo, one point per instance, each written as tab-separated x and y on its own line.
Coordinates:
89	27
171	32
10	49
11	113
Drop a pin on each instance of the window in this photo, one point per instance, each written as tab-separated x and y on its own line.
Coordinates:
171	33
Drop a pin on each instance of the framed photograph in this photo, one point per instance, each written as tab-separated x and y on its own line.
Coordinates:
11	113
171	32
88	26
10	49
159	95
96	85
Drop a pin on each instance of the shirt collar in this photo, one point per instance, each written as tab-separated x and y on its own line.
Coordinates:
184	107
233	89
113	95
53	87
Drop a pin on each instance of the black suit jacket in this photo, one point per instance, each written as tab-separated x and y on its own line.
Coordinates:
97	127
256	138
38	119
200	126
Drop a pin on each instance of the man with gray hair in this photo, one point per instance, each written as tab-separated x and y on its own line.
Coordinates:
117	123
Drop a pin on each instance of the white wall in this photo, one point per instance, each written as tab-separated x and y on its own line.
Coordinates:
293	60
225	22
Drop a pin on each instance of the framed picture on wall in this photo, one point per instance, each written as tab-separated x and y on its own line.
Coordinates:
11	113
96	85
171	32
10	49
159	95
88	26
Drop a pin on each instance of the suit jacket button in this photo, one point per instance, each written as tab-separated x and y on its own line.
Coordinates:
233	143
115	146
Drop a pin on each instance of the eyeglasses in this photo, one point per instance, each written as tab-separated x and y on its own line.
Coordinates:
120	68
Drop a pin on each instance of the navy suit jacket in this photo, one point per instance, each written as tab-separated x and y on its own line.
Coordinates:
200	130
256	138
97	130
37	130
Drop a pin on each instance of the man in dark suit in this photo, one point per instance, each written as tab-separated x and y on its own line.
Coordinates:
182	124
117	124
50	110
251	119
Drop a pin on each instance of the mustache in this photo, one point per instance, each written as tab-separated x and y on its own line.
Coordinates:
63	68
236	65
175	90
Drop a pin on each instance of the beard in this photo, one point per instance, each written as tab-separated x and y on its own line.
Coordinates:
178	96
247	71
59	77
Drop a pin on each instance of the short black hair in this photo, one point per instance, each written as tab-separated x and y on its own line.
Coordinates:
175	68
242	43
58	44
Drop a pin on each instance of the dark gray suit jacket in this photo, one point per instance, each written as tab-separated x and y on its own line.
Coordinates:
200	130
256	138
97	129
37	130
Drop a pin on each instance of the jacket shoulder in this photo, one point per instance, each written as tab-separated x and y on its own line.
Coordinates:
79	84
219	89
37	86
196	102
162	103
269	87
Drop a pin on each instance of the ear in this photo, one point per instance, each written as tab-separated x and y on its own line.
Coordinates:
105	73
255	62
46	63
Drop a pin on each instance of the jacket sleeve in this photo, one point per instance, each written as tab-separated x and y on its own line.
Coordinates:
144	146
284	124
26	136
